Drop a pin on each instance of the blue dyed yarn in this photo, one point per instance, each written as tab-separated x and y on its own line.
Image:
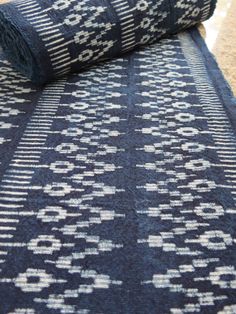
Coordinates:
45	39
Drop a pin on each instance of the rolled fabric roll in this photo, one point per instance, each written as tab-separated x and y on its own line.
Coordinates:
45	39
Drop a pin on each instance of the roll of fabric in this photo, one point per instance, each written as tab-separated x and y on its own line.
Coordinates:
46	39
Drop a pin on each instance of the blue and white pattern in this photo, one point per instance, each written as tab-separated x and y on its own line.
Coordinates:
118	187
46	39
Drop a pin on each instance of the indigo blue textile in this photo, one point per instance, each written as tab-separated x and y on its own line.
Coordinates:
118	187
46	39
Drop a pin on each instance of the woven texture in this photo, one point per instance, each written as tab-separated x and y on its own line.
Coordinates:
118	187
46	39
118	183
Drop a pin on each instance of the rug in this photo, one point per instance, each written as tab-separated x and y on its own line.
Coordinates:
118	186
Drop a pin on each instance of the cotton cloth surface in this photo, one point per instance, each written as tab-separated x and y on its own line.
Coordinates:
118	186
46	39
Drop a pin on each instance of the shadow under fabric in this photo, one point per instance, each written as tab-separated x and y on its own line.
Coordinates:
117	183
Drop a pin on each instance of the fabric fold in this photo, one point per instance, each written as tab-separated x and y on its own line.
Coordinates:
46	39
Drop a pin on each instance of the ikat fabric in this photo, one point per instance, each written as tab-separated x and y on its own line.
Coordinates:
46	39
118	182
118	187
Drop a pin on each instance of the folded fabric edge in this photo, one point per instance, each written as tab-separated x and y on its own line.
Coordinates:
16	46
217	77
212	8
